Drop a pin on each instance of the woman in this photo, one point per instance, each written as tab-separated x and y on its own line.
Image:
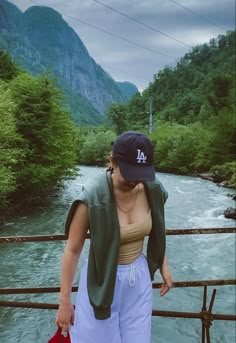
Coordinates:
114	301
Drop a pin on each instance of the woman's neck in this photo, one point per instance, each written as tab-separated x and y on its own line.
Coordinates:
121	186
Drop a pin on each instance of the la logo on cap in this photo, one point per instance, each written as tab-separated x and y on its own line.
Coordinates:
141	158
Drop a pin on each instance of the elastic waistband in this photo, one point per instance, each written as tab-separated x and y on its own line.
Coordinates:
125	267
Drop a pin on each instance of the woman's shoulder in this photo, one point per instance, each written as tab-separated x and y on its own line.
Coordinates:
156	184
99	190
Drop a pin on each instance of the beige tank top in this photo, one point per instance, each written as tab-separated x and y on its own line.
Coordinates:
132	238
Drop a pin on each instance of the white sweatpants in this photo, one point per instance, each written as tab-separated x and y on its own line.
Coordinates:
131	310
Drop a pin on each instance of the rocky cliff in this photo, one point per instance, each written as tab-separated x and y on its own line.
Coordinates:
40	39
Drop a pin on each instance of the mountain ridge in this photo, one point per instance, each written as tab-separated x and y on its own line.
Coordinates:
40	38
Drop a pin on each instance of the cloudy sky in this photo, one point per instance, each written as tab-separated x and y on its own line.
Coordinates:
132	40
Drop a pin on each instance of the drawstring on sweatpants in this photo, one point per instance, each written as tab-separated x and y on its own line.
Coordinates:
132	276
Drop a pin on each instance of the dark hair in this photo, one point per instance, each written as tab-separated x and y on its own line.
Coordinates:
115	161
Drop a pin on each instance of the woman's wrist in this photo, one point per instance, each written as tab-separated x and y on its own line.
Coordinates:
64	300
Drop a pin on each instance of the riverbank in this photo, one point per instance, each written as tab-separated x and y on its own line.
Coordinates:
221	182
223	175
230	212
24	206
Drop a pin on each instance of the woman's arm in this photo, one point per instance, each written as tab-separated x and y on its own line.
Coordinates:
166	276
77	233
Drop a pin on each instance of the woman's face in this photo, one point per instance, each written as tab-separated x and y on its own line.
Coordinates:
121	182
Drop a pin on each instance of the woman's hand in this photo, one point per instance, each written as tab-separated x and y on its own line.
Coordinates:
167	278
65	316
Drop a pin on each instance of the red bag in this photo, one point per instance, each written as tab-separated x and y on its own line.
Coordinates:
60	338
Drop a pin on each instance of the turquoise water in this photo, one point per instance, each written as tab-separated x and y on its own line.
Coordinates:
192	203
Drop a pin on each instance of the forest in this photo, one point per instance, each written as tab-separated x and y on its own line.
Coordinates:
193	128
193	110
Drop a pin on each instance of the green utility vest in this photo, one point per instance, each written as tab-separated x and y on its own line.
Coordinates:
105	238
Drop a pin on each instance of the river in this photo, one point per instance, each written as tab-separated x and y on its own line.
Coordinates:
192	203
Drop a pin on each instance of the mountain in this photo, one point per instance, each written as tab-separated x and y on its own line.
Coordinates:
128	89
40	39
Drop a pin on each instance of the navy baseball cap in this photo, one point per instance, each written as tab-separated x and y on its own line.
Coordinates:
134	152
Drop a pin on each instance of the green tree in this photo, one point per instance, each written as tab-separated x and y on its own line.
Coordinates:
116	114
181	149
47	132
9	142
8	68
219	96
96	148
223	130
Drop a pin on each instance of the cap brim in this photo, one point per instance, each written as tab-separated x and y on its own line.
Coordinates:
132	172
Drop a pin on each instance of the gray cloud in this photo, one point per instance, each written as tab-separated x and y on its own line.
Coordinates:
127	62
